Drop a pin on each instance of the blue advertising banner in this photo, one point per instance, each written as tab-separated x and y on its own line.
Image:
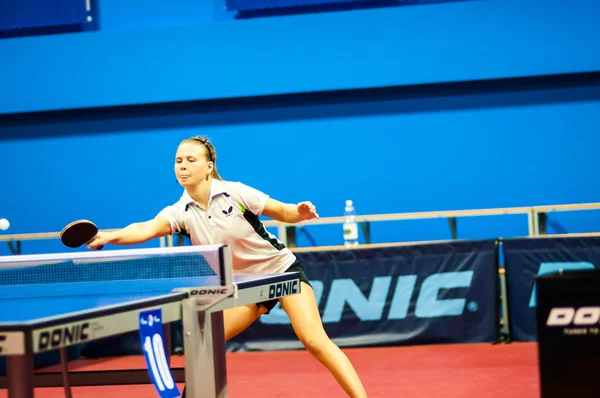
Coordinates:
422	294
527	258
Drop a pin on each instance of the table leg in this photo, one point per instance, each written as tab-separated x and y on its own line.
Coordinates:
204	344
168	341
19	369
64	369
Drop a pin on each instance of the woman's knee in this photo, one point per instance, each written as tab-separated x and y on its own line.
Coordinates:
316	342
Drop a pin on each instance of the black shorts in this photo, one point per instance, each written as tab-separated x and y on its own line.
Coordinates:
293	268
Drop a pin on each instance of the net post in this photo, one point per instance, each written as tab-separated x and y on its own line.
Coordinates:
226	266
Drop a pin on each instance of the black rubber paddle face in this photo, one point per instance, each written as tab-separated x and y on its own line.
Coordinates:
78	233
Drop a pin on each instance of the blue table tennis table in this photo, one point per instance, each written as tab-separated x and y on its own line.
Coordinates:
37	318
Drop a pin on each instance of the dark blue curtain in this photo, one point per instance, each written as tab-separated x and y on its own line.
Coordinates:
24	14
247	5
259	8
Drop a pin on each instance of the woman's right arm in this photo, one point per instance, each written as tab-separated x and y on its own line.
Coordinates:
133	234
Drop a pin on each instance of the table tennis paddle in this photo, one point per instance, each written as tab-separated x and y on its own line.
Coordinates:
78	233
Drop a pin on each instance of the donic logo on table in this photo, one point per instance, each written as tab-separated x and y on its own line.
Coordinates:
63	335
370	307
281	289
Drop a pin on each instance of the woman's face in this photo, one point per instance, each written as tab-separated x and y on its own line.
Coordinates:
191	163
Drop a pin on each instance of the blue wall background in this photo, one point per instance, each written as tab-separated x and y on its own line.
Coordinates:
230	58
440	149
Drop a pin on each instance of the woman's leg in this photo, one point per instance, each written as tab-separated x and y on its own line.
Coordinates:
304	314
237	319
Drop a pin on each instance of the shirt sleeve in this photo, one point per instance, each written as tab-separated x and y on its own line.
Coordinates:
251	198
173	215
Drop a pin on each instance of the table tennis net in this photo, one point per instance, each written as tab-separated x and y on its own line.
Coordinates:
147	269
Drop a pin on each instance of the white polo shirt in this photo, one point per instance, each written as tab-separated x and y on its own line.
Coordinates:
231	218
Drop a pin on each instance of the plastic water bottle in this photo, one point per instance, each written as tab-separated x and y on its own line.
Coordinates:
350	225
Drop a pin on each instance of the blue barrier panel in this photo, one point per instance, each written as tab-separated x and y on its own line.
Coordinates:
426	294
527	258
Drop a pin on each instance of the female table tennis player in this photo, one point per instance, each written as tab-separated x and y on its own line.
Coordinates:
214	211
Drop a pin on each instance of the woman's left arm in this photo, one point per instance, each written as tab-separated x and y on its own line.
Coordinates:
289	213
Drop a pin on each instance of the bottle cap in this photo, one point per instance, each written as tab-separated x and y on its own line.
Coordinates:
348	203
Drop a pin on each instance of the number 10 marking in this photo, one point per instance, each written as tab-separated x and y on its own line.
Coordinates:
158	362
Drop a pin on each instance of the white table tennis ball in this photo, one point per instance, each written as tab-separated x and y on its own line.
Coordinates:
4	224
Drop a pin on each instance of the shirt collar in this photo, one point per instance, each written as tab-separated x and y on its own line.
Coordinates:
217	187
